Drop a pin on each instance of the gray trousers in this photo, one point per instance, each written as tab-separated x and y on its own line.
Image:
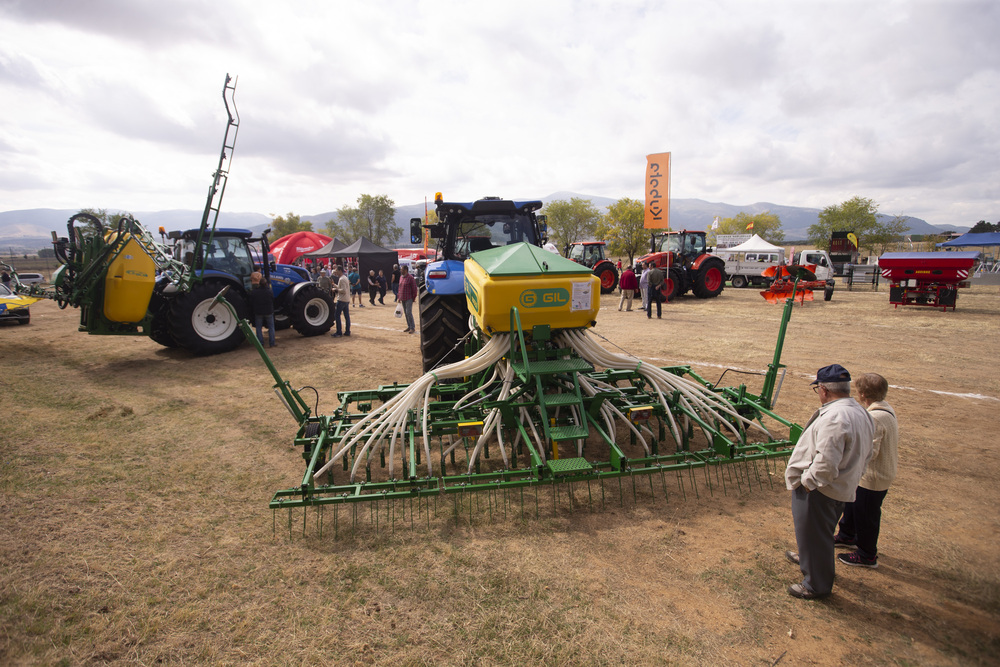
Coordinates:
815	516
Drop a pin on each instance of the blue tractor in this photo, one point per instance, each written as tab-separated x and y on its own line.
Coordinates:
462	229
186	317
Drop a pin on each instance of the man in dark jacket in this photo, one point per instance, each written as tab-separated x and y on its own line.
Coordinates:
655	285
262	302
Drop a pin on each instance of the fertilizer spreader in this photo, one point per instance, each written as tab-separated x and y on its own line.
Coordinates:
926	278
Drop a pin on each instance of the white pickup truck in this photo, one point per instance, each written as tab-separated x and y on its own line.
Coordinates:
745	268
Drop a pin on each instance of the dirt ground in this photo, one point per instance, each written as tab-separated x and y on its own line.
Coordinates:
134	525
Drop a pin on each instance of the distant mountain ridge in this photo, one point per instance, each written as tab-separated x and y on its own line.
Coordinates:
26	231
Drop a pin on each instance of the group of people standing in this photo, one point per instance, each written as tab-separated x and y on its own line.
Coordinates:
839	473
345	287
649	285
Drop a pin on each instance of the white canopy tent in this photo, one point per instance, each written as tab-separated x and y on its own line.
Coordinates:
755	244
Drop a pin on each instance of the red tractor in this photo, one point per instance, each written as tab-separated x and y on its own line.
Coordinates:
591	255
690	267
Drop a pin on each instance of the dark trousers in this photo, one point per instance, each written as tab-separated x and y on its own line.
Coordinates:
862	520
654	295
343	308
815	517
261	320
372	291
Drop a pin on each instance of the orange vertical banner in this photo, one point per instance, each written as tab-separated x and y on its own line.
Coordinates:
657	215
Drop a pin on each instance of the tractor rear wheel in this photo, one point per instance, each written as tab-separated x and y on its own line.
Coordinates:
282	321
708	281
202	328
311	311
608	275
159	327
444	320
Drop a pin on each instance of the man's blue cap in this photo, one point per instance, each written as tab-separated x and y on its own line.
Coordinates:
832	373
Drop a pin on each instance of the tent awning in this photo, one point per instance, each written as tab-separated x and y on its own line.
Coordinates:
970	239
755	244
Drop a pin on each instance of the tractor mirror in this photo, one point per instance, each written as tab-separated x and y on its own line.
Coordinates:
542	225
415	230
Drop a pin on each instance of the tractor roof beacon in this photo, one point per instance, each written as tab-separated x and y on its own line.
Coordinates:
591	254
464	228
688	266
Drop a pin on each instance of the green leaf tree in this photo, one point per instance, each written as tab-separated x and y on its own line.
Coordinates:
767	225
622	228
983	227
887	232
373	218
283	225
571	221
858	215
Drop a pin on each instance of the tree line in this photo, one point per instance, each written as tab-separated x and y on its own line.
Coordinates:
373	218
622	226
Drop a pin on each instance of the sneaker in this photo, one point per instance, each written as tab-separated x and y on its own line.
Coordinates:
841	541
335	335
857	560
800	591
348	333
793	556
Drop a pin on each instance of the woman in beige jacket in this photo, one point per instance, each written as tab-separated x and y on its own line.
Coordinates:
859	527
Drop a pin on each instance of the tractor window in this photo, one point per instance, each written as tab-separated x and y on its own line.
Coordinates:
229	254
491	231
694	245
670	244
576	253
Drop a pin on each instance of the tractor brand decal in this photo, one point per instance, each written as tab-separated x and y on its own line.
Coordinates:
141	274
544	298
471	293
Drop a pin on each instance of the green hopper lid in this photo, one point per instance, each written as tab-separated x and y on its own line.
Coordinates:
524	259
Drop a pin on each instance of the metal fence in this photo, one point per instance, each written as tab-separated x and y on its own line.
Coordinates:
862	276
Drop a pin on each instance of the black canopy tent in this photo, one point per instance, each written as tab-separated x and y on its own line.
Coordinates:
324	252
370	257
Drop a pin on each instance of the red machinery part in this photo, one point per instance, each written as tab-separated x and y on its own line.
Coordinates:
926	278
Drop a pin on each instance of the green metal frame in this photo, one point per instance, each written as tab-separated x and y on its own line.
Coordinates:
548	385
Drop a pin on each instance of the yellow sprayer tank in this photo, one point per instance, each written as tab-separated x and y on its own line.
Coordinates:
545	288
129	282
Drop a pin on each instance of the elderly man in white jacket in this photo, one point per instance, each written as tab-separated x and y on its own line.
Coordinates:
822	474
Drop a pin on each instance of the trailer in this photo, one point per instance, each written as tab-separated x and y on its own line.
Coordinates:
926	278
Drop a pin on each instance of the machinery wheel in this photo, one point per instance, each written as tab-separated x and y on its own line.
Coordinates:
739	282
444	320
312	311
159	327
202	329
25	320
709	280
828	292
673	284
282	321
608	275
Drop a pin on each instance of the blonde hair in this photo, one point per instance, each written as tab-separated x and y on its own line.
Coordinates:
872	386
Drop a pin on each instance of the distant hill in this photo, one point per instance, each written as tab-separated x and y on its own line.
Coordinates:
27	231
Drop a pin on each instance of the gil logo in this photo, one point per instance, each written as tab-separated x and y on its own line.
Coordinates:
544	298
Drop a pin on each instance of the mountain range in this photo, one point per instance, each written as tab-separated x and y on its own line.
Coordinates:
26	231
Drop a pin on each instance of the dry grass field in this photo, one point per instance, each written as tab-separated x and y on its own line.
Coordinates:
134	526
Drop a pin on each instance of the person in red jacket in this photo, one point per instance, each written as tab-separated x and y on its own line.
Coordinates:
628	284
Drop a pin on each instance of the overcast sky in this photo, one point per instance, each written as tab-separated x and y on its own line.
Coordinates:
117	103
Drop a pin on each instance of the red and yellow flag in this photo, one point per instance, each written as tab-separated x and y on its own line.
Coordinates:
750	226
657	212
